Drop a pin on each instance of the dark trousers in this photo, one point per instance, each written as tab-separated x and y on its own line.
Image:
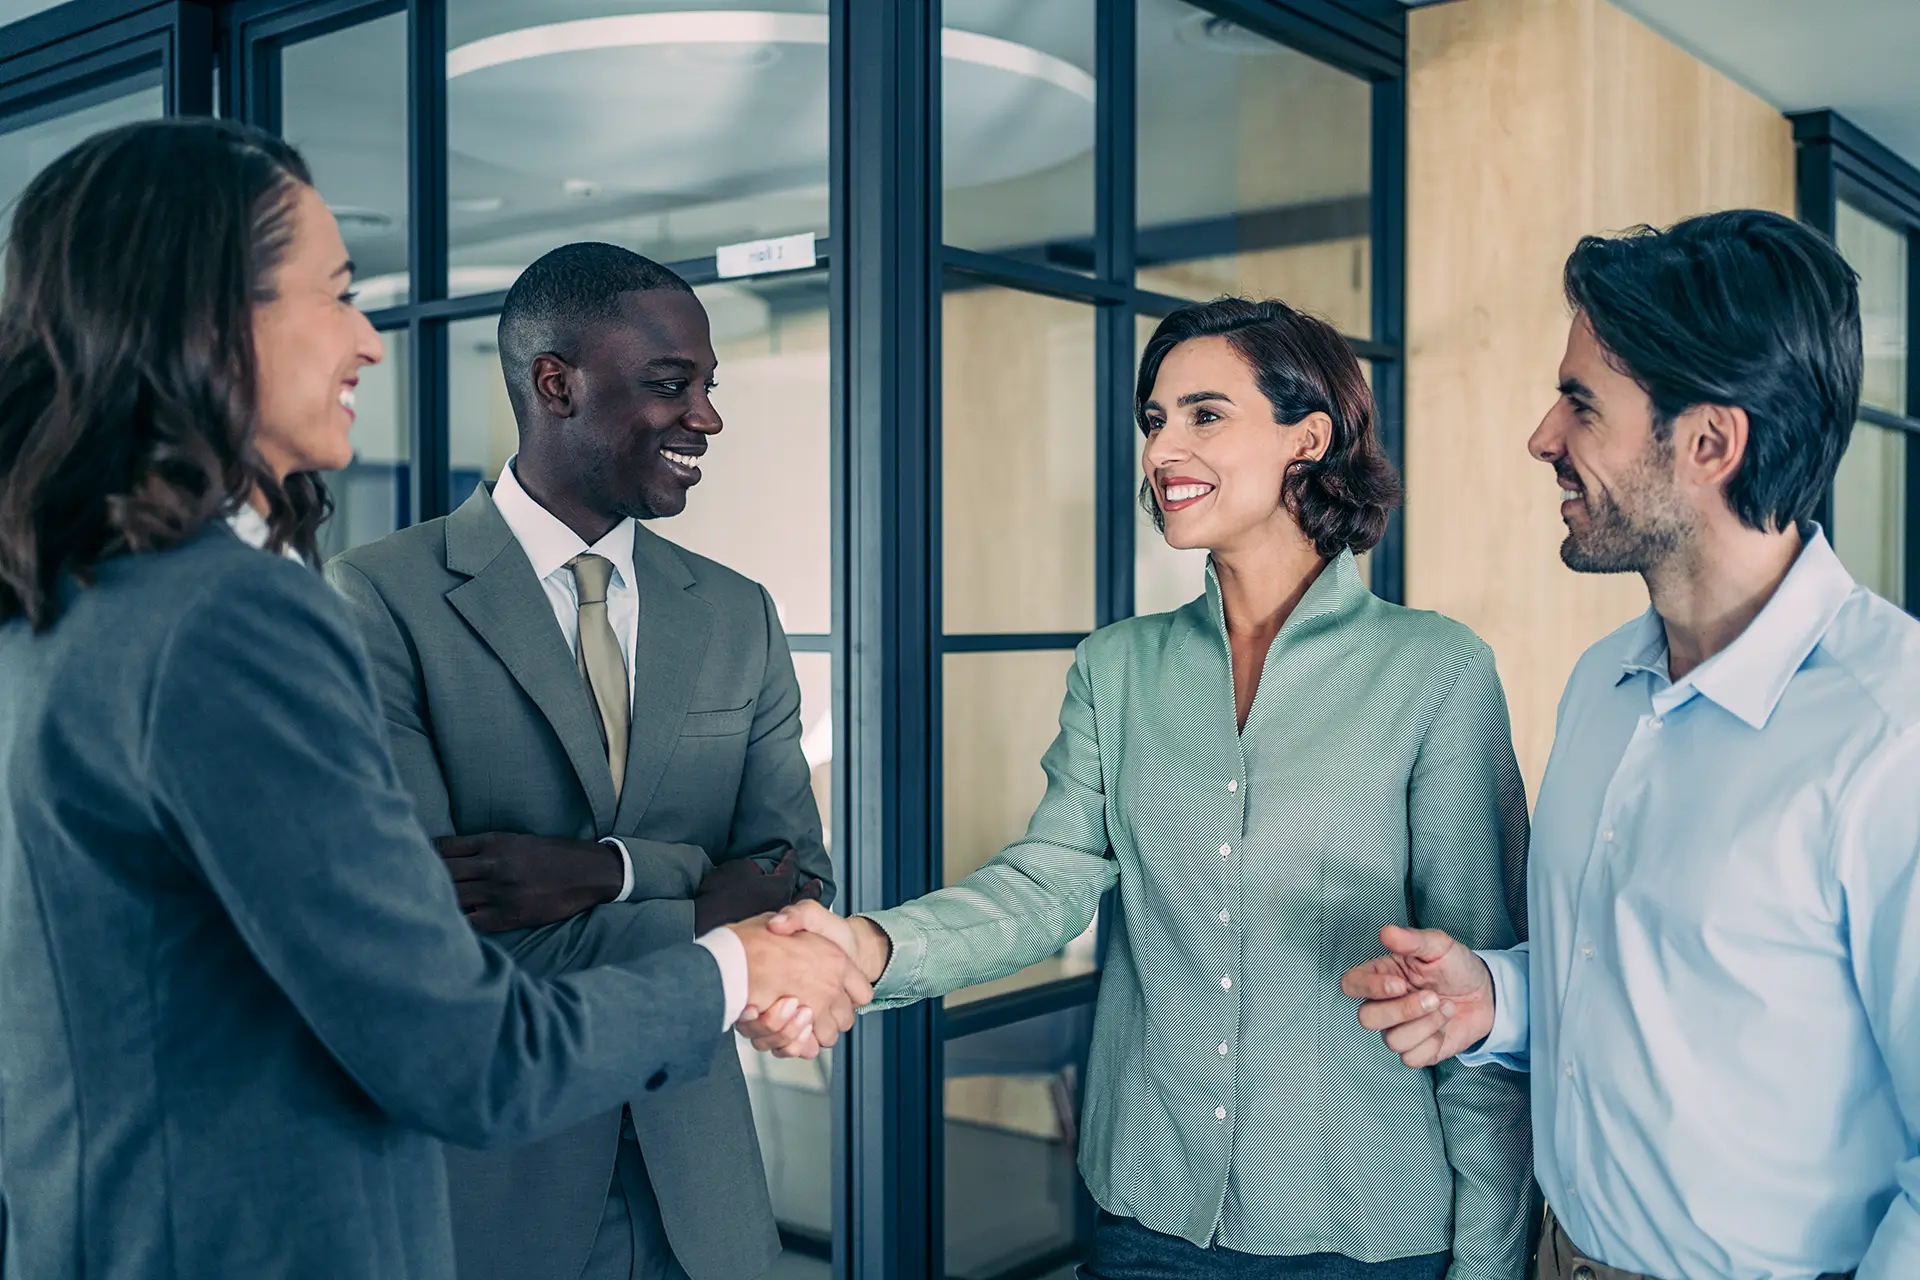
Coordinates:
1125	1250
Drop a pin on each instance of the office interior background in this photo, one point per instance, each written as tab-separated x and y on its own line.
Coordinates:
932	236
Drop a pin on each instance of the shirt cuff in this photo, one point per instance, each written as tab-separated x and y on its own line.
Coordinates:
724	945
1508	1043
626	868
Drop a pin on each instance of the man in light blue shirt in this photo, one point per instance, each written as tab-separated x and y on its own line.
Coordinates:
1721	1002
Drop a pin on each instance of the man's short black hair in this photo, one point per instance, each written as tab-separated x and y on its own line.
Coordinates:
561	295
1746	309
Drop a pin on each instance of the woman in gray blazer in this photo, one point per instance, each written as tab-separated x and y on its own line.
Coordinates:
1270	775
240	999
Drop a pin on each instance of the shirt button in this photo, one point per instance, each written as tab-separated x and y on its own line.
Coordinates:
1657	721
1219	1113
1226	984
1225	850
1607	835
1569	1071
1587	952
1223	1048
1224	917
1233	785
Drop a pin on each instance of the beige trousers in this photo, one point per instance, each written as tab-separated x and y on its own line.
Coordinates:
1561	1259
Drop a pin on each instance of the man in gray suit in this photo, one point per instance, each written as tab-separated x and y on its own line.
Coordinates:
604	732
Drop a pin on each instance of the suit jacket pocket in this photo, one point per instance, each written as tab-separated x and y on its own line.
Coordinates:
716	724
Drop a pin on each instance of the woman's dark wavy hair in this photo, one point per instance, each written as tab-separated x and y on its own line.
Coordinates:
127	367
1302	365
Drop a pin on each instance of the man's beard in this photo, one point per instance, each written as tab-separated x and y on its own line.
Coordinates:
1616	541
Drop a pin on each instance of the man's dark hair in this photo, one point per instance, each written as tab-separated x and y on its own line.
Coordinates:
557	298
128	379
1302	365
1746	309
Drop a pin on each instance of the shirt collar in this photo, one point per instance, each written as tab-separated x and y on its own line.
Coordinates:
1337	590
548	542
1750	676
250	527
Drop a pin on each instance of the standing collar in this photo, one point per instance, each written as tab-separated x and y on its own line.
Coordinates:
548	542
250	527
1750	676
1337	590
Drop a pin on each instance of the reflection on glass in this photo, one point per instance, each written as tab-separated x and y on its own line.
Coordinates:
1014	1204
353	133
371	496
1017	440
764	506
1017	127
792	1099
1870	510
1254	169
1002	712
25	151
666	127
1879	254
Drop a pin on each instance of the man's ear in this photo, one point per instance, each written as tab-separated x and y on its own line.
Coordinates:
1712	444
553	384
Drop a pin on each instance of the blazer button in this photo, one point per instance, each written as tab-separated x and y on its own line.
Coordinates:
1583	1272
658	1080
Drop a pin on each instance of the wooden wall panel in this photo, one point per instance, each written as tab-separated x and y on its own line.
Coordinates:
1530	124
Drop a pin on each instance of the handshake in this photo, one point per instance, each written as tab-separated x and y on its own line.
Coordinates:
808	971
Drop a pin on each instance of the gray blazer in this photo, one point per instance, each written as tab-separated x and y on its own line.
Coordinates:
239	992
492	730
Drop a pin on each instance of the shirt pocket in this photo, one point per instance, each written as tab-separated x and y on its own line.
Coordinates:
716	724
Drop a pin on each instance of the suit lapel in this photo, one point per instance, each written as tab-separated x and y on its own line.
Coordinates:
504	604
669	645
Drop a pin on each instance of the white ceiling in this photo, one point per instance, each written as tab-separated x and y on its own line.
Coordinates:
1855	56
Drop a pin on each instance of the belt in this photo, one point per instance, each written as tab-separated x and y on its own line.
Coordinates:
1560	1259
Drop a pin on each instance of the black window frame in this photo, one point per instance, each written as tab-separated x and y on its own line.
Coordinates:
1836	161
887	266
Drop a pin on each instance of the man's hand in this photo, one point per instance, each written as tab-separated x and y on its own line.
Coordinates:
866	944
806	977
739	890
1429	997
509	881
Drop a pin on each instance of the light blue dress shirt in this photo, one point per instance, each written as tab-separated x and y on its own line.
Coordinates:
1723	983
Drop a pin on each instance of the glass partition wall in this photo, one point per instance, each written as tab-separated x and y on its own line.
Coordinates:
931	239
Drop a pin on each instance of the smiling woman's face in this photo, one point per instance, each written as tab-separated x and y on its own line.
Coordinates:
310	343
1215	457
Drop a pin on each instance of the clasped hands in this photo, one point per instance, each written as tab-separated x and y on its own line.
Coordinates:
809	971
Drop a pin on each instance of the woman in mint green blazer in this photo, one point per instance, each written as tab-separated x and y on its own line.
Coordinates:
1270	774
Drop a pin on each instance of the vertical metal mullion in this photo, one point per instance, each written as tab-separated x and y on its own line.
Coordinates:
189	71
1910	512
884	59
1388	234
1818	199
1113	256
430	487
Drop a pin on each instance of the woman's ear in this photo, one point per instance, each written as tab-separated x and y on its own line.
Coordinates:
1315	435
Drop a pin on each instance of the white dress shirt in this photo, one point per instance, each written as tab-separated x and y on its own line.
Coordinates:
550	545
1721	1001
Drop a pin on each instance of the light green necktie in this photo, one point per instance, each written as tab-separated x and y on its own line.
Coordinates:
602	665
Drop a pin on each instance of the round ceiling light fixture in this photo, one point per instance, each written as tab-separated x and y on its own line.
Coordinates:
733	103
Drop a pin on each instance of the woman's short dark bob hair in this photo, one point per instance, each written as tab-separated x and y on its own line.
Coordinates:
1303	366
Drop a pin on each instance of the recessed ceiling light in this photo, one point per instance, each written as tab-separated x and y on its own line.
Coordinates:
1206	31
361	224
580	188
477	204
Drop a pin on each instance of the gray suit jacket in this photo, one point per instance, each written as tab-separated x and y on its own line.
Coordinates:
238	991
492	730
